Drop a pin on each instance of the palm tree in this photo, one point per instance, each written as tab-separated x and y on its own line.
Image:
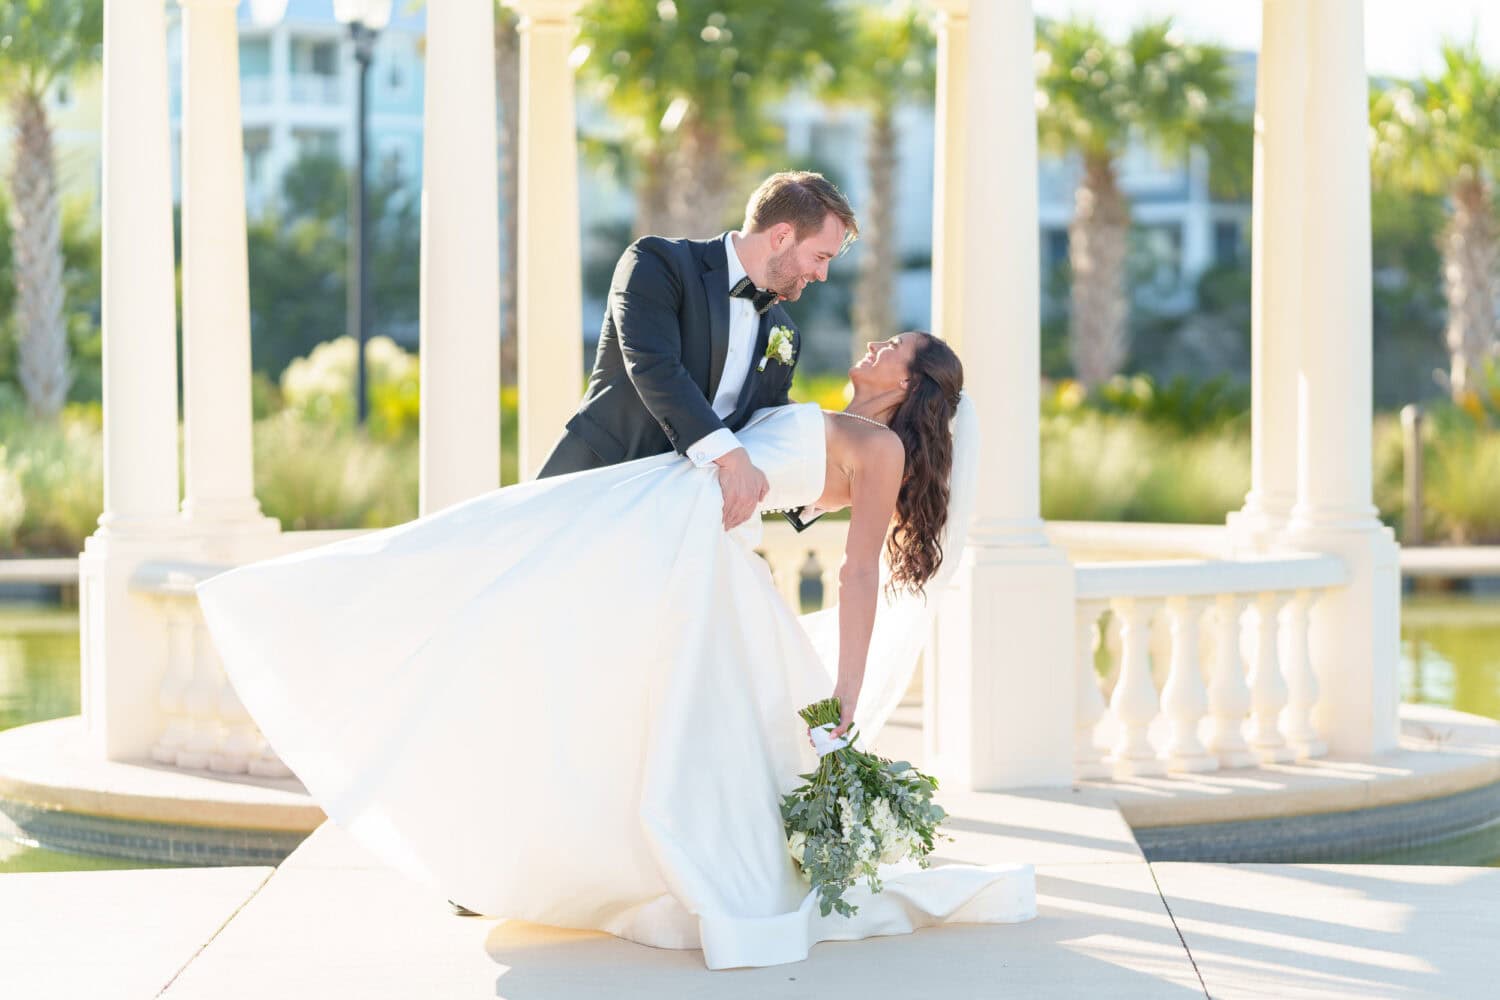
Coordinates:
508	100
1441	135
1095	98
42	41
890	60
691	80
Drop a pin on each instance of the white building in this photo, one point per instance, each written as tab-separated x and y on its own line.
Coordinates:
298	82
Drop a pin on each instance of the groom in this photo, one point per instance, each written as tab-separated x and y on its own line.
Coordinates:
686	352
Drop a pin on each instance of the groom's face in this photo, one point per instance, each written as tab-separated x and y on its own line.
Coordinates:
794	263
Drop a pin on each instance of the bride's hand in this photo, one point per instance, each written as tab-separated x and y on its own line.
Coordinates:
846	712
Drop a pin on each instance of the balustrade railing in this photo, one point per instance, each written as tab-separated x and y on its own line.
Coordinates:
1210	669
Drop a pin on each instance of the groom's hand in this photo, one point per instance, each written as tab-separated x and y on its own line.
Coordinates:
742	484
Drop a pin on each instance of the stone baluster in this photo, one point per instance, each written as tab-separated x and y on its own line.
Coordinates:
784	570
241	739
1088	760
830	562
1302	682
174	687
1134	702
202	703
1184	699
1228	695
1161	646
1114	647
1268	692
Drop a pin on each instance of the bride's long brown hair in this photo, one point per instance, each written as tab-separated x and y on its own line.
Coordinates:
923	422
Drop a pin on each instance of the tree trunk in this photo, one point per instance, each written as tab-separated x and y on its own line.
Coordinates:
698	198
508	87
652	212
875	287
1096	250
1469	253
36	249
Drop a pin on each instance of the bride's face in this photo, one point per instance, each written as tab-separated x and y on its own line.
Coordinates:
886	363
796	263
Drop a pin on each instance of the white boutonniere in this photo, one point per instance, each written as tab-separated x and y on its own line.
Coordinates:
779	347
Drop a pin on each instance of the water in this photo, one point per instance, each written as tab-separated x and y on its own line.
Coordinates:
1450	655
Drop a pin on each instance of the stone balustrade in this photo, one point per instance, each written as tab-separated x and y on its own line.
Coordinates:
1196	664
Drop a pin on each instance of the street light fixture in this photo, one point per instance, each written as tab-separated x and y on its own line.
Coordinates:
365	19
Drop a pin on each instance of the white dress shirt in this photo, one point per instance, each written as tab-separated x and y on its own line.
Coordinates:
744	323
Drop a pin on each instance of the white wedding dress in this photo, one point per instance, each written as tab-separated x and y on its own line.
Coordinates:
574	701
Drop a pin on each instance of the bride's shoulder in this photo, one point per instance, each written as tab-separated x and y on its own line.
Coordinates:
863	442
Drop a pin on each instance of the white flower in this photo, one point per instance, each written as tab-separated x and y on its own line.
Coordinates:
897	846
796	846
779	346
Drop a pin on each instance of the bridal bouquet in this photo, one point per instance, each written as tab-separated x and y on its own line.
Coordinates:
856	810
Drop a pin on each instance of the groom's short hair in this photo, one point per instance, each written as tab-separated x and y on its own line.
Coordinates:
804	199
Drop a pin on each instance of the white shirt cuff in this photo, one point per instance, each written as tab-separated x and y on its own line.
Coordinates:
712	446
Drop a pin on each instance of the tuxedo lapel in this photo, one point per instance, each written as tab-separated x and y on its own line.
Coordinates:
716	288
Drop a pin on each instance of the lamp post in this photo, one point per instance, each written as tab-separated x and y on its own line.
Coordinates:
365	18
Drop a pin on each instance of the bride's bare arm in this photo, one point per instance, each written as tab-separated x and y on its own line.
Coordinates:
877	479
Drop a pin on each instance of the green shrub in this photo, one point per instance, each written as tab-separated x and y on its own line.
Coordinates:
311	474
1109	467
59	467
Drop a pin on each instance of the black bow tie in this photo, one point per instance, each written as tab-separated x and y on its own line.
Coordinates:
759	298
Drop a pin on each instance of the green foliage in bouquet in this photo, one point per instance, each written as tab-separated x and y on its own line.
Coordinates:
856	811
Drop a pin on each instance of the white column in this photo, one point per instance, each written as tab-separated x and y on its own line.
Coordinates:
139	294
1007	632
948	169
1276	274
220	490
1355	631
549	307
460	292
123	639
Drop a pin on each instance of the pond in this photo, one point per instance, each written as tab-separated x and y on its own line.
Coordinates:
1450	655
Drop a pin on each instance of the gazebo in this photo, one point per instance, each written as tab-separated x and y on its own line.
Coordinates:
1278	632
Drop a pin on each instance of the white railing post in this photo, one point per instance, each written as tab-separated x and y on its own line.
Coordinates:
1134	703
1228	696
1184	699
205	734
1088	759
1302	682
174	687
1267	687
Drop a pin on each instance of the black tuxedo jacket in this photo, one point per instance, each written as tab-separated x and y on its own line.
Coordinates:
661	357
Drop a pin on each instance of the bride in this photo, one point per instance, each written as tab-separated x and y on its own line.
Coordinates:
574	701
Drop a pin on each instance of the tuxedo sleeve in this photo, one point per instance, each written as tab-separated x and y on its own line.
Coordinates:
645	300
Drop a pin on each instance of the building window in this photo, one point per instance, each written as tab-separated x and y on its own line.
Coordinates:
255	57
316	142
315	71
1159	256
257	146
1226	243
1054	249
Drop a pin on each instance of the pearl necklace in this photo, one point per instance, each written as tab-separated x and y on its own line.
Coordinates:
856	416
